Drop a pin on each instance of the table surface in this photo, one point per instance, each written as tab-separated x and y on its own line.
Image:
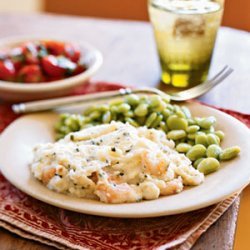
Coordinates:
130	57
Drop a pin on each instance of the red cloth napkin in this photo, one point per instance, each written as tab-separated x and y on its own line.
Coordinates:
32	219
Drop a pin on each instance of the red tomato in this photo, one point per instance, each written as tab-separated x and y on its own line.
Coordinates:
7	70
79	69
72	52
58	66
67	49
30	53
17	57
31	74
54	78
54	47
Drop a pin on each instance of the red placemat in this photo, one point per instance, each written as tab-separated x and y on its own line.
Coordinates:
32	219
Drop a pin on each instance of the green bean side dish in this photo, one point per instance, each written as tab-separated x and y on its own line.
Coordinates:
196	137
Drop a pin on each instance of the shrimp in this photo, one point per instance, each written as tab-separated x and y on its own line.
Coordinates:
61	170
116	193
155	164
150	191
169	187
47	175
190	175
172	187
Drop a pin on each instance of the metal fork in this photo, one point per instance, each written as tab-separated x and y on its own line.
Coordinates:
73	100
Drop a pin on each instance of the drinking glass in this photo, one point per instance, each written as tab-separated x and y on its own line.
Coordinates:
185	33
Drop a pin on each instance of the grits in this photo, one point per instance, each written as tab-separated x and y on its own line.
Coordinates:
114	163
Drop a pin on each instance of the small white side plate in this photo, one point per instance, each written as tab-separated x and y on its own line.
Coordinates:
18	139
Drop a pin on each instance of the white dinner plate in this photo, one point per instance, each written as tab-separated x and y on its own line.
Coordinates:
17	141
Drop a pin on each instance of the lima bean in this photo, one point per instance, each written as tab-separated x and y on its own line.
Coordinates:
132	122
73	124
129	113
123	108
166	99
214	151
229	153
95	115
157	121
193	129
196	163
160	107
207	131
196	152
63	117
207	122
103	108
213	139
183	147
163	126
114	109
116	102
180	114
106	118
191	122
155	101
175	123
220	134
170	107
197	120
186	111
201	138
208	165
151	119
176	134
132	99
166	113
89	110
141	109
65	130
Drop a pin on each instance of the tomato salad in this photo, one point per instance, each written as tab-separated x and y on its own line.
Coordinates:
40	61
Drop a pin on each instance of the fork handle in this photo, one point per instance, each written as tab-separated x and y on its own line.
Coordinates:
49	104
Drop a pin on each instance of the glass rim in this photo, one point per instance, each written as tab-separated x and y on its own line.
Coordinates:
153	4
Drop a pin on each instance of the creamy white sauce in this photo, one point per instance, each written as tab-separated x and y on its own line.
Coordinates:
114	163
